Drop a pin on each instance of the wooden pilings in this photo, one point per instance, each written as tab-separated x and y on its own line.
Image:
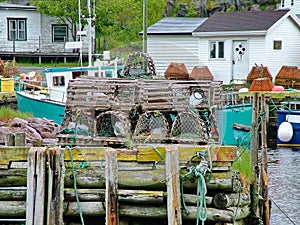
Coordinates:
173	187
17	139
117	184
37	188
36	175
111	195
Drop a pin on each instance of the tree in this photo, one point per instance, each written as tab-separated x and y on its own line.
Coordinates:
67	12
122	20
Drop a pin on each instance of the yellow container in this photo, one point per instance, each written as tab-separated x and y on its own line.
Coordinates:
7	84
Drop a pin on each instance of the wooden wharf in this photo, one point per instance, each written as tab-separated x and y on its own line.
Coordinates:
40	185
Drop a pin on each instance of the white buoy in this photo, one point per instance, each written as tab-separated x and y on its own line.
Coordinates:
285	132
196	98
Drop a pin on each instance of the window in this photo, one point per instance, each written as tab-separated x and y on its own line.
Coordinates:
59	33
216	49
16	29
58	81
277	45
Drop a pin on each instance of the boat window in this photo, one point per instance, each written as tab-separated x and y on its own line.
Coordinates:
59	81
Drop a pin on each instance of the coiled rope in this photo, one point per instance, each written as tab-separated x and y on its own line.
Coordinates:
198	172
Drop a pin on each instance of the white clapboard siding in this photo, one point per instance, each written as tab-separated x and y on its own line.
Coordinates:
166	49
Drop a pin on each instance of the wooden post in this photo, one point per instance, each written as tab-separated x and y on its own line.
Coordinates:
20	139
111	192
254	145
35	186
264	171
173	187
55	187
9	139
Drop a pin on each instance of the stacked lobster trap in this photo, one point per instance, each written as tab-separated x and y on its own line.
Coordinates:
122	112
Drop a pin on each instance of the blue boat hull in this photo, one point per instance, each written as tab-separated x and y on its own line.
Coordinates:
41	108
282	117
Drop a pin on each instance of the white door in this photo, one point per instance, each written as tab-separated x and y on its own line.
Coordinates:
240	61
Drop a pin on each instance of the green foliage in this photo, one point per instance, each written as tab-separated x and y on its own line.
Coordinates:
120	22
7	114
231	9
243	165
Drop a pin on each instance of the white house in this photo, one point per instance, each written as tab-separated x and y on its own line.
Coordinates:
171	40
24	29
231	43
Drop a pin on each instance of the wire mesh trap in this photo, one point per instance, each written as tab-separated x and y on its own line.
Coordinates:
112	124
152	124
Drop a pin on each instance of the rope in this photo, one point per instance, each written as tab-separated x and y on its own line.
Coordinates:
283	212
74	178
199	172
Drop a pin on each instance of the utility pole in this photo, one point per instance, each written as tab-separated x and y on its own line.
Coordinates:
89	32
145	12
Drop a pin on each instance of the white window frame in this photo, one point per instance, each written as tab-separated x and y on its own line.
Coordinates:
17	29
59	38
214	50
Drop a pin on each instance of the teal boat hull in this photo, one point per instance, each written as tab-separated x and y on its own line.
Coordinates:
41	108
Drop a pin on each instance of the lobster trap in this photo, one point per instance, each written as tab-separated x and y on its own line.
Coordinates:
119	111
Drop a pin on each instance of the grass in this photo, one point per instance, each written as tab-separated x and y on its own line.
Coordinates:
7	114
243	165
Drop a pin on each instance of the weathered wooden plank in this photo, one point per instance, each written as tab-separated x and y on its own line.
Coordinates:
111	195
20	139
173	187
12	153
98	153
55	186
9	139
36	186
217	153
130	196
13	193
154	179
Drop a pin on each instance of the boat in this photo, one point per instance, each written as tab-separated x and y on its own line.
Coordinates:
48	99
288	124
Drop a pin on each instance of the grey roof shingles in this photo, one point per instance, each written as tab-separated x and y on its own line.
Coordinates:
175	25
241	21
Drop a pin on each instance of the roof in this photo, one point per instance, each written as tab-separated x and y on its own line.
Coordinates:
4	5
241	21
175	25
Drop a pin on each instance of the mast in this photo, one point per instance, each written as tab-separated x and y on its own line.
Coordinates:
89	32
